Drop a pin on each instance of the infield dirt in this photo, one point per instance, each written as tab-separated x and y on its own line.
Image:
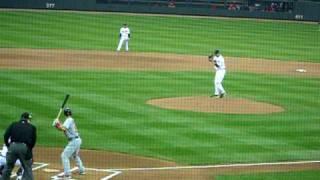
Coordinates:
77	59
103	161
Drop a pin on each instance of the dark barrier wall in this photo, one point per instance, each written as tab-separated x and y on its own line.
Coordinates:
308	11
302	11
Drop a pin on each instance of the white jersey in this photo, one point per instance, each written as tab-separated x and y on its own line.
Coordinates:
4	151
124	32
220	62
3	154
71	128
3	159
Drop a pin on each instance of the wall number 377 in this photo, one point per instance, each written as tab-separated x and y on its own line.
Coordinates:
50	5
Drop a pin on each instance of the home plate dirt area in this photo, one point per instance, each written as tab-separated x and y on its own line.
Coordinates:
110	165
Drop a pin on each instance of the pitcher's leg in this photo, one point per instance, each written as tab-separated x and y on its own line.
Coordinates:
120	44
218	82
220	89
127	45
216	90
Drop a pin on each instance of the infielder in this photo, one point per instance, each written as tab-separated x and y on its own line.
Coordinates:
220	68
73	147
124	37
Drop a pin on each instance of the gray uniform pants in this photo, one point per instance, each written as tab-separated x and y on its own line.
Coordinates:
18	151
72	151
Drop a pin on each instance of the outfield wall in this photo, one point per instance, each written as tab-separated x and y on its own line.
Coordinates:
302	11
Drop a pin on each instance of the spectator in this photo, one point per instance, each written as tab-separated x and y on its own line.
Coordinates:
232	7
172	4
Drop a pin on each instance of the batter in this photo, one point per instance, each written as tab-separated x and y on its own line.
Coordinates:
74	142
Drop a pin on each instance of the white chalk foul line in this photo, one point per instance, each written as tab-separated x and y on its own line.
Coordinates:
217	166
62	173
116	172
41	165
113	174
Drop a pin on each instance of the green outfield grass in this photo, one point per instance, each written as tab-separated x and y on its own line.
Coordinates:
112	114
110	105
185	35
310	175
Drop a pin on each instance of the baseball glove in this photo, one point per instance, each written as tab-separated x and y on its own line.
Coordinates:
210	57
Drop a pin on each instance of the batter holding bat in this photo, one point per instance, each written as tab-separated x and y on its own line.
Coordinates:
74	142
220	68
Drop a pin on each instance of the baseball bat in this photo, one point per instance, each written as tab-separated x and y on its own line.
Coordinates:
62	105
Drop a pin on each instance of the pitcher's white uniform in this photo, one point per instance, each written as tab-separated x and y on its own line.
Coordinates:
124	37
220	72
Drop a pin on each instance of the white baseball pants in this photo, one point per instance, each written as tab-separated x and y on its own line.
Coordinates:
72	151
218	88
121	41
3	161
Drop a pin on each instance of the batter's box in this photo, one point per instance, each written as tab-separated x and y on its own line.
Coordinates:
91	173
35	166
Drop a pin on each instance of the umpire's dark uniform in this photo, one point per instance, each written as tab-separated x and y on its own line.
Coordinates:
20	138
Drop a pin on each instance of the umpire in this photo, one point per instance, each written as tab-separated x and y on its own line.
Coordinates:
20	138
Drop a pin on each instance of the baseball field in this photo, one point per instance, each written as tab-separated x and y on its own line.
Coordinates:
146	113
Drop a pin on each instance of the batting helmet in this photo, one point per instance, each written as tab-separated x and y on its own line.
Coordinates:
217	51
67	112
26	116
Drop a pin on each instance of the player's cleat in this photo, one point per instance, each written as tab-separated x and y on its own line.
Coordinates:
19	174
19	177
215	96
82	173
20	171
221	95
64	177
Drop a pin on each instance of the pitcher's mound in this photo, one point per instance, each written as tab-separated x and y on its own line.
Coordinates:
216	105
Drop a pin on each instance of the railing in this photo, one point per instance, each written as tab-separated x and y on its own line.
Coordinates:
179	3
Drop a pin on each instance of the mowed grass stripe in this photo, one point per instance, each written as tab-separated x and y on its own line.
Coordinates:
112	115
306	174
185	35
